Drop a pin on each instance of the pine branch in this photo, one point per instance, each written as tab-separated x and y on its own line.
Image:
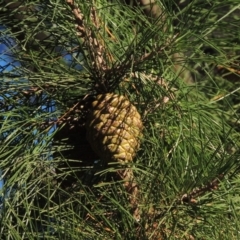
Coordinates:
197	192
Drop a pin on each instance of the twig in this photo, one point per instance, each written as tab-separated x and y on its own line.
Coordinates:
230	69
68	112
132	188
96	50
209	187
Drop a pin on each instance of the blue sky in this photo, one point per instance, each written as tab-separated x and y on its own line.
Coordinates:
3	62
7	63
4	58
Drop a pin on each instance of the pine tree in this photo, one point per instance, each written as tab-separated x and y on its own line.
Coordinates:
176	62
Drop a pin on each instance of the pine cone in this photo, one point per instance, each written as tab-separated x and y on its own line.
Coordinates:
114	128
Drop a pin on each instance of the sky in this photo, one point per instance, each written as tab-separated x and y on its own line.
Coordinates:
3	62
5	59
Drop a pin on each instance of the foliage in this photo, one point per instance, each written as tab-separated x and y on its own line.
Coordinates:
60	55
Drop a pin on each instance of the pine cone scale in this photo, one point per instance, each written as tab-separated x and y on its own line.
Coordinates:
114	128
